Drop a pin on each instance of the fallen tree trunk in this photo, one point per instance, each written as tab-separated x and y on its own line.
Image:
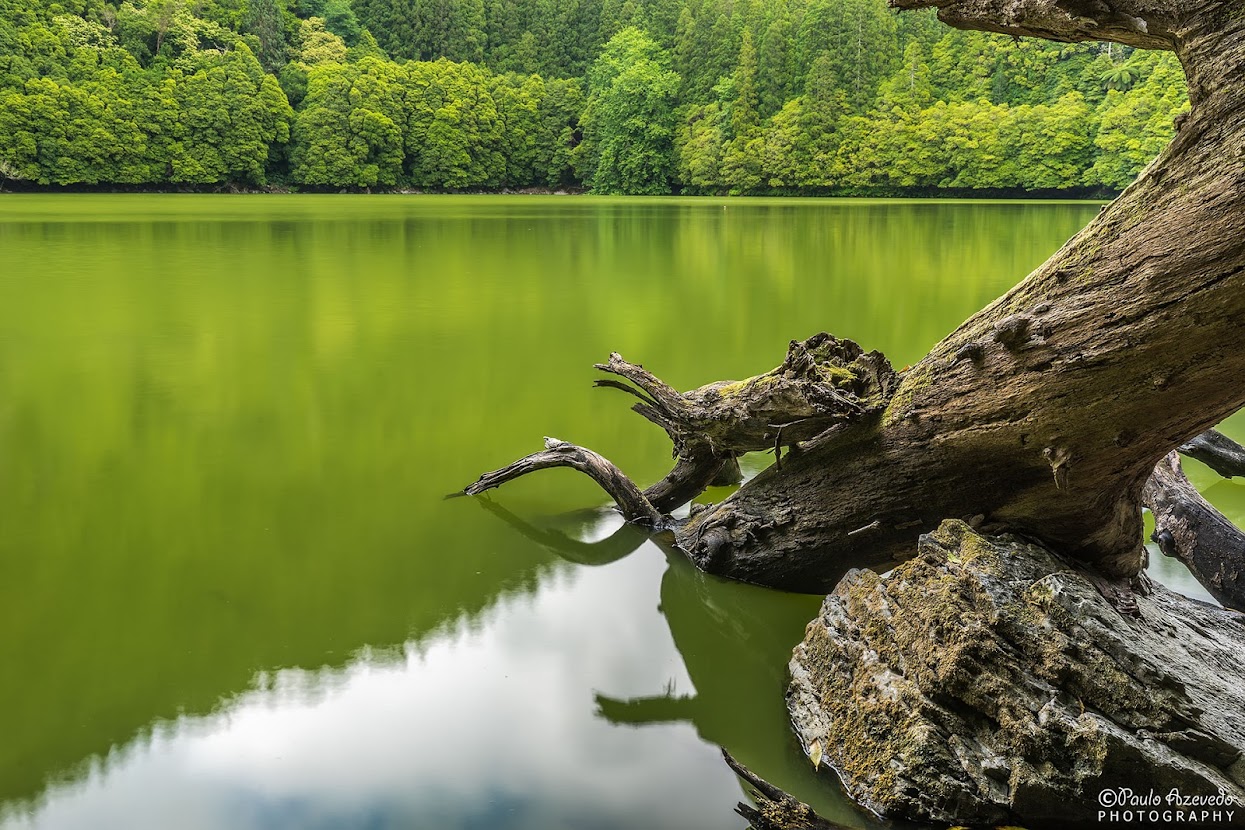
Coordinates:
1046	411
992	678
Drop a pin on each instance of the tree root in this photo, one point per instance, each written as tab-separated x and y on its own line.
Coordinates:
1188	528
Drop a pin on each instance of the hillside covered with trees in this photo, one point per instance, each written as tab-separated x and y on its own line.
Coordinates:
617	96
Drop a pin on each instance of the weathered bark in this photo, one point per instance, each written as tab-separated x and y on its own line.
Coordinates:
1187	528
1217	451
988	681
1046	411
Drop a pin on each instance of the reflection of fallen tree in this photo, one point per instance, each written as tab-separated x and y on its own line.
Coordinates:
622	542
735	641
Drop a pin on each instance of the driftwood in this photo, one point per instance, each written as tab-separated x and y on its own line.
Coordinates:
775	809
1188	528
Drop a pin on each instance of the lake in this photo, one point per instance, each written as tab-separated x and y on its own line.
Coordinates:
233	593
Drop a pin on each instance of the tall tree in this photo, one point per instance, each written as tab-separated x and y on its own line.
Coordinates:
264	20
629	118
348	132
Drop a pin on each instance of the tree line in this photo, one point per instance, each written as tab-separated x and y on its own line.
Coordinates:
638	96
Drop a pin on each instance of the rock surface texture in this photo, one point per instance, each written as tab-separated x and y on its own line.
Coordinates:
987	680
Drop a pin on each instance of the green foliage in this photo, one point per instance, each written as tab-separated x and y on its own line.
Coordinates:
629	118
264	21
348	132
1136	125
620	96
425	29
316	44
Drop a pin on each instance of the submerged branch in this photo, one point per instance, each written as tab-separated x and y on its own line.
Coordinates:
776	809
631	502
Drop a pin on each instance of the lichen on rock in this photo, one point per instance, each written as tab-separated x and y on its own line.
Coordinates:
987	680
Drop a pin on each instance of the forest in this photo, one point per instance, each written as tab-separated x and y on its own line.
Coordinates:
766	97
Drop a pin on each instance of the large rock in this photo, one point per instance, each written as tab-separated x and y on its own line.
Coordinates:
987	680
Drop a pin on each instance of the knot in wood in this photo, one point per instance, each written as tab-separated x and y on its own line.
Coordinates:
1166	542
1014	331
973	351
1060	460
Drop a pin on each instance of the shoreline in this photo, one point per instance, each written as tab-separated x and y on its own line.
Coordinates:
1075	193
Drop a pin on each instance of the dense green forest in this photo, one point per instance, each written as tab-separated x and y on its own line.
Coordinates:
617	96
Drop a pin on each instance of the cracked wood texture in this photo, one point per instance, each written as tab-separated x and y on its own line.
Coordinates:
1045	412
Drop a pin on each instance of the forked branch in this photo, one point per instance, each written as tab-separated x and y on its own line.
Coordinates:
822	384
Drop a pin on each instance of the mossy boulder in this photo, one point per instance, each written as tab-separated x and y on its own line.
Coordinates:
987	680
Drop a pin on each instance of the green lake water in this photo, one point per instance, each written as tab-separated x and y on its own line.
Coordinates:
232	594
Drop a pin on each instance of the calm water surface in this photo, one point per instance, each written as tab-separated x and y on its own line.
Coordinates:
232	595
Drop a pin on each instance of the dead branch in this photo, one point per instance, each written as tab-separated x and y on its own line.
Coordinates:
697	468
823	382
1217	451
1188	528
631	502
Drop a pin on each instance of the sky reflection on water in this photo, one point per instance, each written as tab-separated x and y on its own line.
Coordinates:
481	727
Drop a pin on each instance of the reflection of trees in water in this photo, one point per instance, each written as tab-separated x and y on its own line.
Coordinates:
152	682
735	641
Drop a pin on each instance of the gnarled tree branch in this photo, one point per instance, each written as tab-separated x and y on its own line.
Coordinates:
634	506
1187	528
823	385
1217	451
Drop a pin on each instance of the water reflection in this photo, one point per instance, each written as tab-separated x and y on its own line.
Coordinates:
226	425
489	727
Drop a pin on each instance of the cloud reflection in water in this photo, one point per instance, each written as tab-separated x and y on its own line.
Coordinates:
489	726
